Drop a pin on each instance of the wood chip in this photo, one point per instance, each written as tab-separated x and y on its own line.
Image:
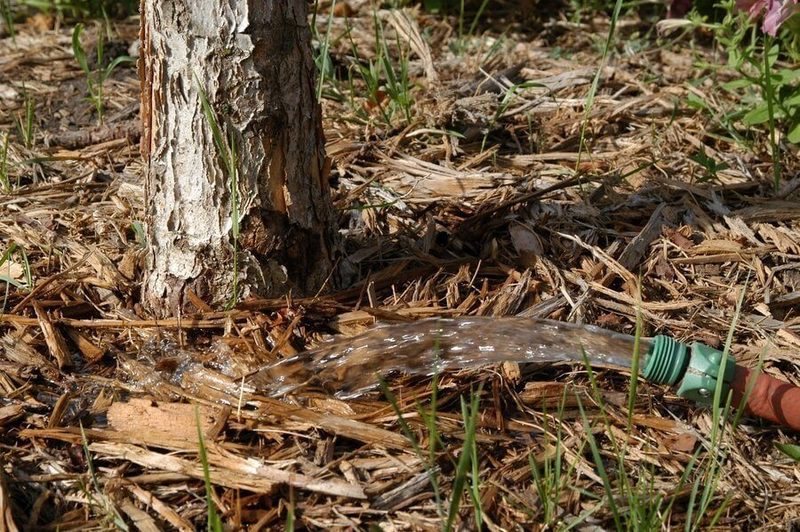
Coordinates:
6	518
165	511
53	338
156	422
91	352
229	471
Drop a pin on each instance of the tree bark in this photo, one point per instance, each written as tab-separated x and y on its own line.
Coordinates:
253	60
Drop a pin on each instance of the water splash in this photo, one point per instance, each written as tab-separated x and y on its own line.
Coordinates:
351	366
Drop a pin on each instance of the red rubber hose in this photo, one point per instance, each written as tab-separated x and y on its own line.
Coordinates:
772	399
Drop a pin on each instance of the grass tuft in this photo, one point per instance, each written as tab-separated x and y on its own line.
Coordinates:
95	79
469	415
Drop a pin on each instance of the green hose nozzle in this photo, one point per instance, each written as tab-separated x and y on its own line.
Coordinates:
667	361
695	369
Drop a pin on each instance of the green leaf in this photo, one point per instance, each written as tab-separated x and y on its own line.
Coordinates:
77	49
7	255
696	102
792	101
772	55
792	451
794	134
759	115
786	75
734	57
704	160
140	234
740	83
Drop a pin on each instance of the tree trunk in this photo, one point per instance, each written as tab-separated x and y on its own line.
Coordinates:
252	59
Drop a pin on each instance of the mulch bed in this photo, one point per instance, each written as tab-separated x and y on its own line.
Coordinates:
483	203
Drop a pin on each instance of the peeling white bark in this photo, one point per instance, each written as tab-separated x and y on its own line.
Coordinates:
253	59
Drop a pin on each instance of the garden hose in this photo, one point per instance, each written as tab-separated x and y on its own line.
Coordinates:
697	370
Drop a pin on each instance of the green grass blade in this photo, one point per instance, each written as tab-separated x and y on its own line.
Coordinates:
290	517
636	354
8	17
470	416
478	17
769	96
596	80
214	522
77	49
430	468
601	469
216	132
117	62
5	180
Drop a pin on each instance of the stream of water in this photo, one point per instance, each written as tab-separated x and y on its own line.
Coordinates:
352	366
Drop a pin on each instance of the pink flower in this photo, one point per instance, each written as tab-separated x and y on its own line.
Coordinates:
777	12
